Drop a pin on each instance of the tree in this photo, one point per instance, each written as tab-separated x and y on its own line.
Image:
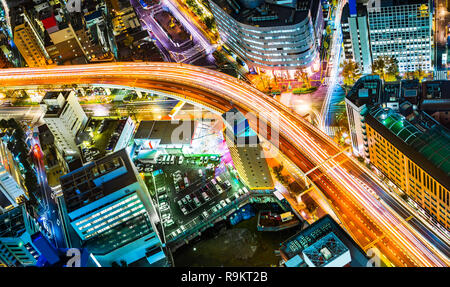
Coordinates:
302	76
209	22
351	72
386	67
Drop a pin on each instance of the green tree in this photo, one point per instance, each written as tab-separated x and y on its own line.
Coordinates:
302	76
351	72
386	67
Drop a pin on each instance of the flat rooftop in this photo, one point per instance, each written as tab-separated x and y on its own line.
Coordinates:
301	241
81	186
421	139
165	131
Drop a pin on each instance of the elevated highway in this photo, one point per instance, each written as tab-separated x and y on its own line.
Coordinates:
368	220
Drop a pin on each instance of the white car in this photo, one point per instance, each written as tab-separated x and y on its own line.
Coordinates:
223	203
227	200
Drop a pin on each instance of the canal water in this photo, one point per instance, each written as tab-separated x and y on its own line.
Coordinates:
233	245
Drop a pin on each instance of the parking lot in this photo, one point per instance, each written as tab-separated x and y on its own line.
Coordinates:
188	190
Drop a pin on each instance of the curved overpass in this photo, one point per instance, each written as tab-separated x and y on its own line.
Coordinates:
369	222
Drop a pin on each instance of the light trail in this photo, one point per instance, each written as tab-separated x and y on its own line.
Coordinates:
366	218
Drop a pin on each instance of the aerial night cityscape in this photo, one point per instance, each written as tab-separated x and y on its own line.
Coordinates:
224	133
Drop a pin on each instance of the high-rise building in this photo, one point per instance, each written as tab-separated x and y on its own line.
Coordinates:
11	180
65	120
355	34
246	151
364	93
29	43
403	142
402	29
108	206
271	35
411	150
398	28
16	244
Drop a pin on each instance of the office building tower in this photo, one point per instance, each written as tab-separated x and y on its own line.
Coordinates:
389	129
278	36
11	180
402	29
29	42
65	120
246	152
411	150
16	244
355	33
109	208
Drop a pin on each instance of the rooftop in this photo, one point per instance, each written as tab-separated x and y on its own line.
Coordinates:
306	238
164	130
421	138
97	179
365	91
263	13
12	223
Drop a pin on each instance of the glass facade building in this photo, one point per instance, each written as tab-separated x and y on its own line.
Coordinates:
271	37
402	29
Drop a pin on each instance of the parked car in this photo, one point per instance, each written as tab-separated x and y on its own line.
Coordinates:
197	202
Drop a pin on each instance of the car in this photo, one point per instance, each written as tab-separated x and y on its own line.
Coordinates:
214	181
184	210
240	191
219	206
200	172
188	198
197	202
219	189
223	203
179	231
180	160
214	209
169	222
172	159
205	214
245	189
184	200
227	182
183	228
227	200
205	196
164	208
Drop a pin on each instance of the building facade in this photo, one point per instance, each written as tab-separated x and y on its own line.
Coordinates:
409	147
412	154
272	37
11	180
16	244
29	42
64	121
355	32
246	152
109	208
402	29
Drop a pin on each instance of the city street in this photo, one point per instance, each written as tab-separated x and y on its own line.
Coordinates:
367	219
